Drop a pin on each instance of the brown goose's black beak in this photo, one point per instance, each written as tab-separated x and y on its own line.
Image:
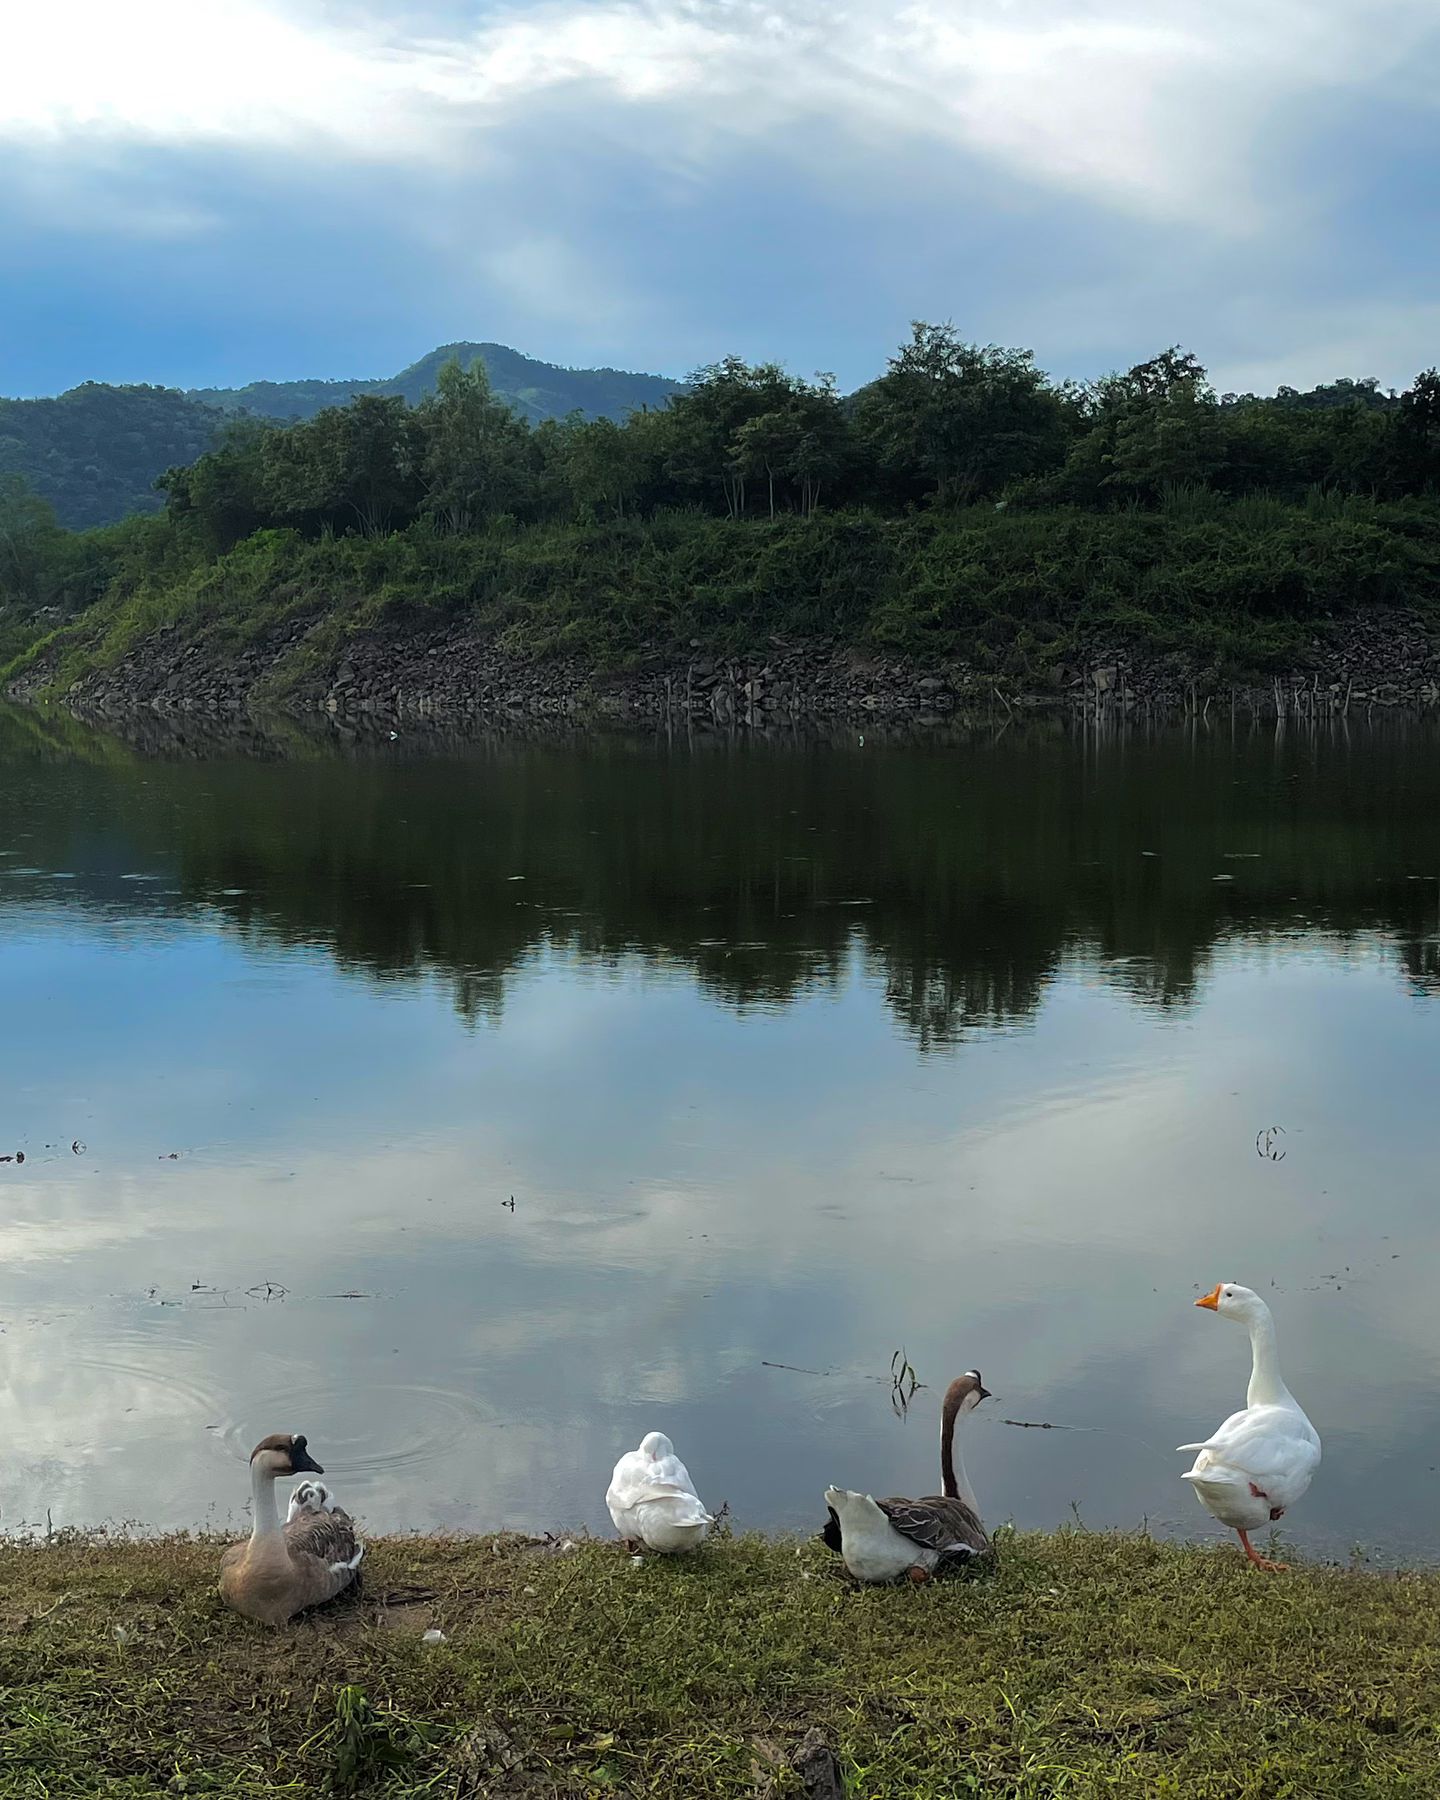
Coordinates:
301	1461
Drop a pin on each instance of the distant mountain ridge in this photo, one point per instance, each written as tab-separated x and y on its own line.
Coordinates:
536	390
94	452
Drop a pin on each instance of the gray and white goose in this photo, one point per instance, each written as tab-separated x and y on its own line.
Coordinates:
281	1570
881	1540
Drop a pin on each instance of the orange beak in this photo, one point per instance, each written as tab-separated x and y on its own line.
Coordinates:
1211	1300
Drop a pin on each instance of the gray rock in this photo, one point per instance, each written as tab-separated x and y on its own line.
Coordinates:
818	1768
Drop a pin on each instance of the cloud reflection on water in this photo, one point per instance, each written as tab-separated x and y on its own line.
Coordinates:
704	1182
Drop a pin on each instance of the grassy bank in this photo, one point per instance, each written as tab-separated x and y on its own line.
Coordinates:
1233	588
1087	1665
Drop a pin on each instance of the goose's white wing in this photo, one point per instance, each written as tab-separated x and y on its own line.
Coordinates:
669	1475
1272	1449
639	1478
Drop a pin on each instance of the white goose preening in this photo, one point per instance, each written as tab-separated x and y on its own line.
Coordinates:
653	1500
882	1540
281	1570
1261	1460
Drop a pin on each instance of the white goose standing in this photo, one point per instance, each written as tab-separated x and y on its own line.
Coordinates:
1261	1460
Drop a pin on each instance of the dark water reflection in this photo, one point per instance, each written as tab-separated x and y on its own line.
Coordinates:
789	1055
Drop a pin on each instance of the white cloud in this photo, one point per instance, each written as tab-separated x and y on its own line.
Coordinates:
1152	107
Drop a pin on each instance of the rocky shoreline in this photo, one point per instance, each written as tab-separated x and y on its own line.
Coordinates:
1389	660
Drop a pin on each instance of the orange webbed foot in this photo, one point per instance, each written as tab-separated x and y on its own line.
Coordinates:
1260	1562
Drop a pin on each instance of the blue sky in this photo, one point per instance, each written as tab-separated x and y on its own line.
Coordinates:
211	191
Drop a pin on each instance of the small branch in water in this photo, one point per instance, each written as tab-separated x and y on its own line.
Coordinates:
1266	1144
903	1383
793	1369
1090	1430
267	1290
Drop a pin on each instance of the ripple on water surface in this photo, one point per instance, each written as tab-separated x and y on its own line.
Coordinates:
386	1430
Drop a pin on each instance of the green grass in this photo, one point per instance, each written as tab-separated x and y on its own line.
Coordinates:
1086	1665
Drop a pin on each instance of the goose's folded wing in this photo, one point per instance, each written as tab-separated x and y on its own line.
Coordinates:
629	1480
668	1472
946	1526
679	1506
328	1537
1270	1449
1221	1434
640	1489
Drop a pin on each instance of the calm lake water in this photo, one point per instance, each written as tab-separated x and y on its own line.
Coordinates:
790	1057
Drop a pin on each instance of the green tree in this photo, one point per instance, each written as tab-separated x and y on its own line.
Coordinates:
960	420
219	498
31	541
355	467
604	465
1156	426
763	448
706	421
476	456
1417	432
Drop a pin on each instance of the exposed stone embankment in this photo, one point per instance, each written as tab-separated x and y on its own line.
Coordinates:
1390	660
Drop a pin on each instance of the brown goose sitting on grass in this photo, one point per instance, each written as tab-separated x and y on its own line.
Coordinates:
881	1540
281	1570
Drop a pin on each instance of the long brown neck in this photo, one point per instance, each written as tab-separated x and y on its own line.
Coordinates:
950	1486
